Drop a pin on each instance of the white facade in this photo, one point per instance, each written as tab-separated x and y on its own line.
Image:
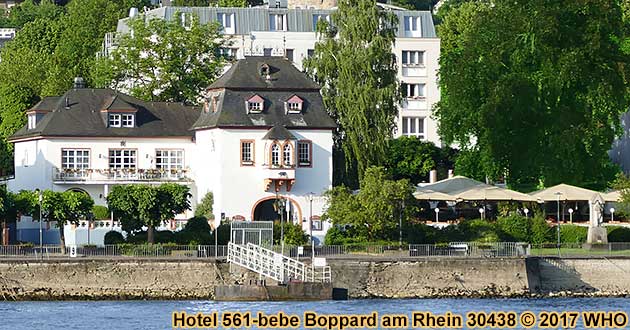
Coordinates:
296	41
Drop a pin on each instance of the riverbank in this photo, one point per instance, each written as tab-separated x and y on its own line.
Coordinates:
145	279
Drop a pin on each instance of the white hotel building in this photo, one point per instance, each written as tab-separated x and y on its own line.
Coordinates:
262	133
289	31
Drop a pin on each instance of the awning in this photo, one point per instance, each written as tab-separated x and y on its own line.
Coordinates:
430	195
566	193
493	193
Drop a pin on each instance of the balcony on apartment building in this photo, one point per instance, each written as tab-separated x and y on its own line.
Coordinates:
119	175
278	176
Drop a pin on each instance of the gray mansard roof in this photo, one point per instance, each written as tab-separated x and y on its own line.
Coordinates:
257	18
243	80
83	117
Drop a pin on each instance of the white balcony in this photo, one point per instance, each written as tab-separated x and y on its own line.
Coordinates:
119	175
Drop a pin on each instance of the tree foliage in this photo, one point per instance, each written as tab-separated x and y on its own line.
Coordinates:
163	60
375	209
54	45
411	158
138	205
204	209
533	90
63	208
354	65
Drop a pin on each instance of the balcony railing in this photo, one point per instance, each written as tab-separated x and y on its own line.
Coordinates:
120	174
278	172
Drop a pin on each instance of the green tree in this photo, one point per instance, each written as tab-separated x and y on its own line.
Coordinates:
137	205
376	209
30	10
354	65
411	158
63	208
164	60
517	94
12	205
204	209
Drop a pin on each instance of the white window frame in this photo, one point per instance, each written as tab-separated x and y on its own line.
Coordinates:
304	153
275	154
287	155
247	152
123	158
32	121
169	159
278	19
75	158
412	58
254	107
317	17
186	19
294	107
227	22
413	126
128	120
414	91
114	119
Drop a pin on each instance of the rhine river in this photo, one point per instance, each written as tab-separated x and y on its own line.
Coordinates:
108	315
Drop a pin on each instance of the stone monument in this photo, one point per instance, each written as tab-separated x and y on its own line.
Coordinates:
596	233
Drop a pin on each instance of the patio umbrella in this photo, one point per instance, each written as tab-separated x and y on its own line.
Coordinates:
430	195
492	193
567	193
612	196
447	186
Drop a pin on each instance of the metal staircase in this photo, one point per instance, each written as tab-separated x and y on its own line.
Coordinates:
275	265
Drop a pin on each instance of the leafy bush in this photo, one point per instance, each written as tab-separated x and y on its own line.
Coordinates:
293	234
478	230
196	232
161	236
100	212
515	228
540	231
618	234
573	234
114	237
204	209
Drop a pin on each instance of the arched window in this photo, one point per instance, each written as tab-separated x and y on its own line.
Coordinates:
275	154
287	156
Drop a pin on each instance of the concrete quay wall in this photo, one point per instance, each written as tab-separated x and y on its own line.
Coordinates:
374	278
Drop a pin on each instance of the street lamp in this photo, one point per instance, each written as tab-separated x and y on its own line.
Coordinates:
481	212
437	214
558	194
570	215
310	224
280	205
402	209
40	199
612	214
526	211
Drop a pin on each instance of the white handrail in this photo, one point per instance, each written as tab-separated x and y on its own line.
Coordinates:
275	265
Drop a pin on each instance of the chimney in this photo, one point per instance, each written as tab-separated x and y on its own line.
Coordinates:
450	173
133	12
433	176
79	83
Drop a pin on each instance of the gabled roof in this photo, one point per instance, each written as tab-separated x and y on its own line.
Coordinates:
83	117
279	133
295	99
256	99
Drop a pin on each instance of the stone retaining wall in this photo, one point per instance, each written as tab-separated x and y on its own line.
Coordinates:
194	279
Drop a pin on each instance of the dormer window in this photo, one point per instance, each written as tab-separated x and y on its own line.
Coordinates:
128	120
114	120
255	104
294	104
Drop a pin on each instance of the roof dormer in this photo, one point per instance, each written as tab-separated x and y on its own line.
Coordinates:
255	104
294	104
119	113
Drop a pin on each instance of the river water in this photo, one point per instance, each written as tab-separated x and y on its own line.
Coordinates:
108	315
